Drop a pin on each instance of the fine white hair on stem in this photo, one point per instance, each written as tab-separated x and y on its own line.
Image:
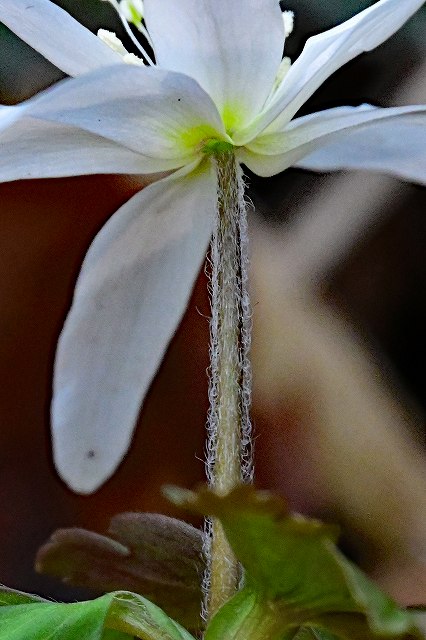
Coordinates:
230	266
229	456
247	468
206	553
213	287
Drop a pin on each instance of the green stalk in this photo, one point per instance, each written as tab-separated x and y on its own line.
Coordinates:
228	449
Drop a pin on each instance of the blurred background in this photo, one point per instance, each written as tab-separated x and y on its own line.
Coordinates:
339	301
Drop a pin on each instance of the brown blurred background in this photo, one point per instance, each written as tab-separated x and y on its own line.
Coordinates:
339	342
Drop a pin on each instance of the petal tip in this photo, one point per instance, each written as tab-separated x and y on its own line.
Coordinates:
84	476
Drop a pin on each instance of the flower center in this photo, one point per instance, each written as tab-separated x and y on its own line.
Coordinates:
216	147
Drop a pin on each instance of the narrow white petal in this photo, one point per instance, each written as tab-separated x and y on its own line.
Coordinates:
371	135
396	147
233	48
132	291
324	54
56	35
158	113
35	149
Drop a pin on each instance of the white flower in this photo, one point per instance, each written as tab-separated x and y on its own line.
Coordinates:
216	85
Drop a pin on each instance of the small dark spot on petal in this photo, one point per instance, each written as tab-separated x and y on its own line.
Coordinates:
90	454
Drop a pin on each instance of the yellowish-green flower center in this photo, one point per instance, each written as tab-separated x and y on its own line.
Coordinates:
233	117
216	147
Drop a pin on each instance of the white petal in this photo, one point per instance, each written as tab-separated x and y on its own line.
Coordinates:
9	115
233	48
396	146
371	135
325	53
158	113
36	149
56	35
132	291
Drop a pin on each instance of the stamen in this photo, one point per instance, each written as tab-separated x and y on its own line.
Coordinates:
135	41
144	32
283	70
114	43
288	19
132	11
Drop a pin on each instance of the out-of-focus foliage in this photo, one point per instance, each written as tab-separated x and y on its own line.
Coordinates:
150	554
296	581
115	616
297	585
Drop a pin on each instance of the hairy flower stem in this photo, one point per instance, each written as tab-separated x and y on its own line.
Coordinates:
229	459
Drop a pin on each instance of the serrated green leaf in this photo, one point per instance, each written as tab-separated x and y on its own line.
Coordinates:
286	557
115	616
296	578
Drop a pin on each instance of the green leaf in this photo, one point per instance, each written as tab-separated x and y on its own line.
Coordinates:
115	616
150	554
10	597
310	633
285	556
38	621
296	580
383	614
138	616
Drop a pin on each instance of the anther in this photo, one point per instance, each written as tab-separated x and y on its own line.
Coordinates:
288	19
114	43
